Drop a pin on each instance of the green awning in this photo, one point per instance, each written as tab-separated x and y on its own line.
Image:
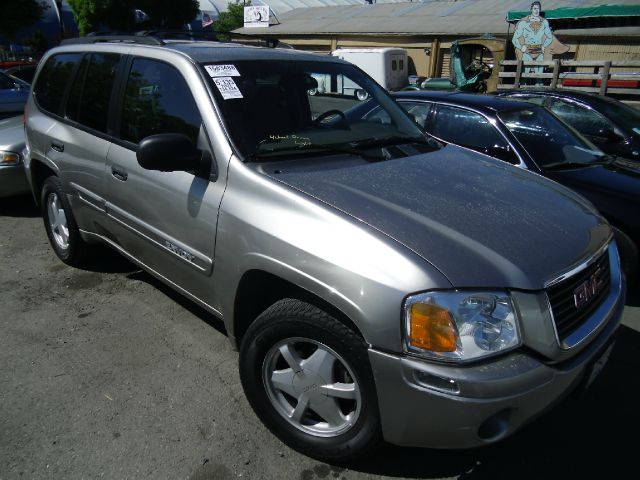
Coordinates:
569	13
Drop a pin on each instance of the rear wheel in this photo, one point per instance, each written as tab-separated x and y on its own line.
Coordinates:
60	224
361	94
307	376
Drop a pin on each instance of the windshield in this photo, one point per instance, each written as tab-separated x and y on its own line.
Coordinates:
548	140
282	108
622	114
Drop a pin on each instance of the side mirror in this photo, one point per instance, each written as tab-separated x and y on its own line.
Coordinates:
503	153
169	152
610	135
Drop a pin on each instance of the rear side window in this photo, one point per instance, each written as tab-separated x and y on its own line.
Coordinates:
91	91
471	130
157	100
53	80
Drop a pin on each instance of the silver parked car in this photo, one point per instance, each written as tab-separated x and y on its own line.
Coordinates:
13	180
378	284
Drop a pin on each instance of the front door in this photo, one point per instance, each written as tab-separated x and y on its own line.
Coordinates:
166	220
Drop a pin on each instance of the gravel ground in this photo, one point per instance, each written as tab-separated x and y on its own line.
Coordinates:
106	373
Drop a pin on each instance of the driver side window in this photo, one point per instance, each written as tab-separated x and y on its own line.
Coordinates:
157	100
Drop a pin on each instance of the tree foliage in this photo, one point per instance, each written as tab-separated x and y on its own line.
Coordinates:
230	20
118	15
17	14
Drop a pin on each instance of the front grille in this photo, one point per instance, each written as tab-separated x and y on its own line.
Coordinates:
562	296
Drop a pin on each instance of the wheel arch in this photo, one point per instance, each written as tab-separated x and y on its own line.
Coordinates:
39	172
258	290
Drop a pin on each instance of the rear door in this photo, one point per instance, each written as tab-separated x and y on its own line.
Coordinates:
166	220
75	91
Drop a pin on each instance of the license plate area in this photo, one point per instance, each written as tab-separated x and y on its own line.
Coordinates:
597	366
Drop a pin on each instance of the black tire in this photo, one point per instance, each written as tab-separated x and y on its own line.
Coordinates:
61	225
628	257
311	333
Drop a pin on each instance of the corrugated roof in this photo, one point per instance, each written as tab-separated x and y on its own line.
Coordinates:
434	17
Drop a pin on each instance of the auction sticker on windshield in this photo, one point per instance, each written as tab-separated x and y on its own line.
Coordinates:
227	88
222	71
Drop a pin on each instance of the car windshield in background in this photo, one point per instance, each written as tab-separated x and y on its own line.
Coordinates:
276	109
550	142
10	82
623	114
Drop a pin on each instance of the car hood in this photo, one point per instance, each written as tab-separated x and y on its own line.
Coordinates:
12	134
481	222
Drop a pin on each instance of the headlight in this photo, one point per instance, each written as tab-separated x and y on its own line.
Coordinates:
460	326
9	158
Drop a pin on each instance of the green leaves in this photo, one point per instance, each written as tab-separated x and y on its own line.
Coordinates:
230	20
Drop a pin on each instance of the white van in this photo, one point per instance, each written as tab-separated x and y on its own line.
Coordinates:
387	66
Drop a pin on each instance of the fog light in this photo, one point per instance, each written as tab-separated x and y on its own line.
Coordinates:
496	426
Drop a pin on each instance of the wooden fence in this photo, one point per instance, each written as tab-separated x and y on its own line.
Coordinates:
604	78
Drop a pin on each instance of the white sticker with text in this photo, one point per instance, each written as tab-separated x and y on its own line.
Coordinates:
227	88
222	71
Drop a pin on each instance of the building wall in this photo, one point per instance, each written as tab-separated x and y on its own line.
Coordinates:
434	61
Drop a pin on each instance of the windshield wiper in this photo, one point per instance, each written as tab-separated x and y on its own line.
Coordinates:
314	148
393	140
571	165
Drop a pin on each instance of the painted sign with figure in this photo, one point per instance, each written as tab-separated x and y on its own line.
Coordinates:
256	16
534	40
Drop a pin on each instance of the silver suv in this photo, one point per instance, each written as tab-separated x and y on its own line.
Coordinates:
378	284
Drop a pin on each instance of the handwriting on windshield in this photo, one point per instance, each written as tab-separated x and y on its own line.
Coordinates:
296	139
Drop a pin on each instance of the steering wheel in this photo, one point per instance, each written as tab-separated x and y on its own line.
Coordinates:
329	113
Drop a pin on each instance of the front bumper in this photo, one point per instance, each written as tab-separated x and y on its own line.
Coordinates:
418	406
13	181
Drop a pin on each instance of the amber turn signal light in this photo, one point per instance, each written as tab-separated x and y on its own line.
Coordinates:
431	328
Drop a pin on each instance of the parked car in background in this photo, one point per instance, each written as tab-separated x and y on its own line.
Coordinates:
23	72
531	137
609	123
13	95
13	180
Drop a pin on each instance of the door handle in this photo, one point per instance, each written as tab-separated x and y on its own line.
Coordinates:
57	146
119	174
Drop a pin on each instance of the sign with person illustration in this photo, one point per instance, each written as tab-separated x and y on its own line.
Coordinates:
533	39
256	16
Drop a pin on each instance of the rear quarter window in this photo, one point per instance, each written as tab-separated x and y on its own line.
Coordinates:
91	91
52	82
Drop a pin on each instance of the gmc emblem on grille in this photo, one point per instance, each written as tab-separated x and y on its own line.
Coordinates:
589	289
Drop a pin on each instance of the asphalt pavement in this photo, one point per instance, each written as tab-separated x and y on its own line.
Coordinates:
106	373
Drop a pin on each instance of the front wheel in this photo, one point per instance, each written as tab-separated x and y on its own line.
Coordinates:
308	378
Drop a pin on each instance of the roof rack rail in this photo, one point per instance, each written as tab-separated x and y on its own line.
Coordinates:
159	37
181	34
247	39
147	37
113	37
